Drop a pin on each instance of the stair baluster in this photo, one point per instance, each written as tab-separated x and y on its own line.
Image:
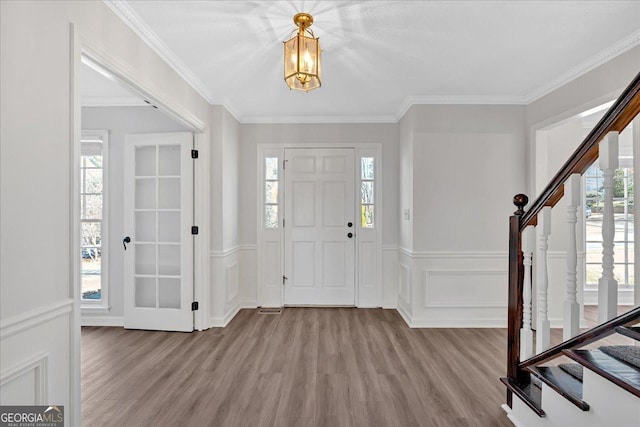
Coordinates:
526	333
607	285
571	306
543	331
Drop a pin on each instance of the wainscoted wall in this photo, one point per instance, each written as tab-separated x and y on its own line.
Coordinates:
233	283
389	276
34	348
453	289
225	286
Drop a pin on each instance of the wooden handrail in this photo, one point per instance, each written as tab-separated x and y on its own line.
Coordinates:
617	118
585	338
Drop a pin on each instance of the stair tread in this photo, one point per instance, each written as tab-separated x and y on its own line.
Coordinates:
626	353
620	373
573	369
529	394
563	383
630	331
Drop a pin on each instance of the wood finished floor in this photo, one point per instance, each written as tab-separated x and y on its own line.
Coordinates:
305	367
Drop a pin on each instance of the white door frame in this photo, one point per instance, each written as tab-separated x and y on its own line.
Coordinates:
81	47
366	294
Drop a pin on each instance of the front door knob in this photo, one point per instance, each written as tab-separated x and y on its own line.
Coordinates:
350	235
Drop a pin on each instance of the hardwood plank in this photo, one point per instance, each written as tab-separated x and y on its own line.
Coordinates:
304	367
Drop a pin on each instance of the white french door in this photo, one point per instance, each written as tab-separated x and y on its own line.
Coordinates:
319	227
158	240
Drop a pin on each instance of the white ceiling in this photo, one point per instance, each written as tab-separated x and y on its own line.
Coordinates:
379	57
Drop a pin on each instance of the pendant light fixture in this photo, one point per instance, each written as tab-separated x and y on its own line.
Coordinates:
302	56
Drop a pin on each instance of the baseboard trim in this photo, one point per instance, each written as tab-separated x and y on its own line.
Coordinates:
117	321
514	420
249	304
32	318
459	323
221	322
405	315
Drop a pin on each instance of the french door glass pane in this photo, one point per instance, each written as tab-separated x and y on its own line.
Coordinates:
145	227
145	292
169	260
145	193
169	193
169	293
145	258
169	160
169	227
145	161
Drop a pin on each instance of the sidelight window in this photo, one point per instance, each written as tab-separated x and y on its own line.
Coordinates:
367	192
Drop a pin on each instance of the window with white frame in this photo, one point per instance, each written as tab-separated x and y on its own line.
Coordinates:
271	192
623	208
367	192
93	221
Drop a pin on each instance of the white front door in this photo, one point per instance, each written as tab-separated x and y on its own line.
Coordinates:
158	219
319	227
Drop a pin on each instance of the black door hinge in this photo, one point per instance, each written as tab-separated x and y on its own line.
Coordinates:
194	306
194	154
194	229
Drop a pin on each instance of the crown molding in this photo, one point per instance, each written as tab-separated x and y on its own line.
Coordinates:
105	101
411	100
317	119
126	13
604	56
129	16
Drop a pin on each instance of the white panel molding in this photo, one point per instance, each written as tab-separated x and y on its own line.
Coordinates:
35	317
606	55
232	281
225	253
39	365
457	322
116	321
428	275
389	248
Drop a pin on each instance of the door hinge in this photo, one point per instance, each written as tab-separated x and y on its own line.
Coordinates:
284	164
282	222
284	279
194	229
194	306
194	154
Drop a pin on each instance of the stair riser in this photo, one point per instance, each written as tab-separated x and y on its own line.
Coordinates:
610	406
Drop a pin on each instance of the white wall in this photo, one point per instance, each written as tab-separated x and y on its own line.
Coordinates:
120	121
225	256
467	166
36	305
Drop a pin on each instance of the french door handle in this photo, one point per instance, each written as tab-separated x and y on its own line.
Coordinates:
126	240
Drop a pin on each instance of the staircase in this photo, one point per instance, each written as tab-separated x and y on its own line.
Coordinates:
585	380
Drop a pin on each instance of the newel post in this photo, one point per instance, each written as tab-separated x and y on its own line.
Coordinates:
516	275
